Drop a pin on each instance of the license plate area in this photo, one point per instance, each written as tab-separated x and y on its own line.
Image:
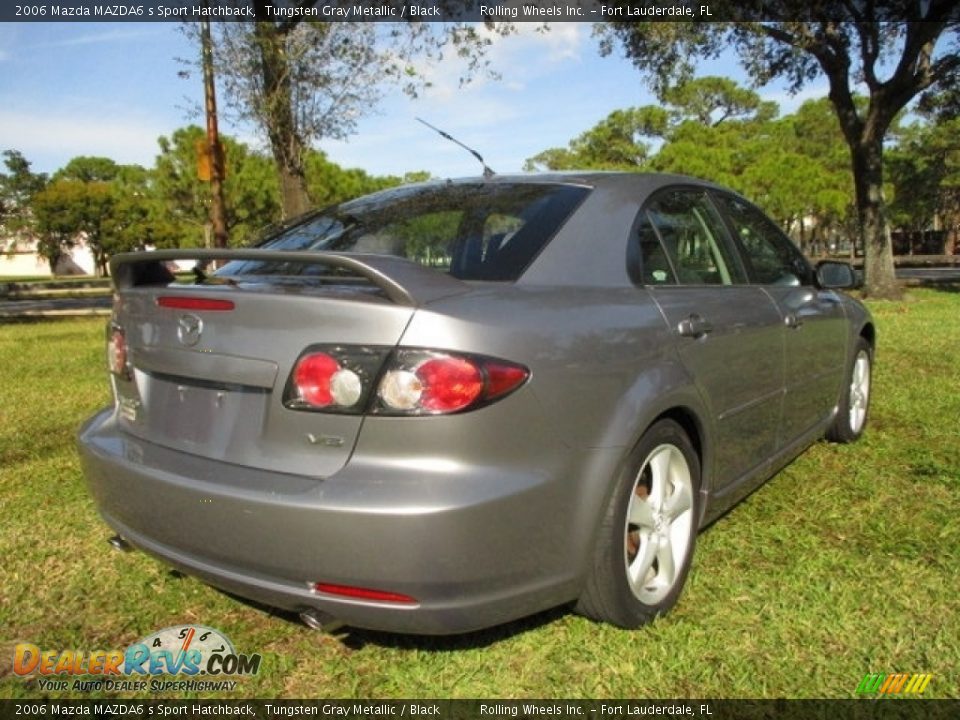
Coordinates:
215	420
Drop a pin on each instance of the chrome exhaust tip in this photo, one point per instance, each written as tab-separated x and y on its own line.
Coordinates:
319	620
118	543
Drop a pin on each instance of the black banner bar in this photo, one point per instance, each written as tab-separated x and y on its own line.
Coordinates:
449	10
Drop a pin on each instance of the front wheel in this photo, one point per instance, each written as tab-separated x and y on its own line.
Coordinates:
854	402
646	540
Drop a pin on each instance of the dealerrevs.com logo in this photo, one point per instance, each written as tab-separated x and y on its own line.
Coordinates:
185	651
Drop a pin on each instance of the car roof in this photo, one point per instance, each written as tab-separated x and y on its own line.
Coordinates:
598	178
589	247
637	184
594	178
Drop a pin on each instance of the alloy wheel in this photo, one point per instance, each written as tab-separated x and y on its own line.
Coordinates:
657	532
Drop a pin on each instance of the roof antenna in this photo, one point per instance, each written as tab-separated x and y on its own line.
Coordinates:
487	172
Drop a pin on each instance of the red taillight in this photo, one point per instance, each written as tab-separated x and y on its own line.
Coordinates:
312	378
448	384
194	303
359	593
421	382
503	378
117	353
320	381
356	379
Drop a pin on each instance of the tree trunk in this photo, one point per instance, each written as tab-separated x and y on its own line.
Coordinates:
285	142
874	233
218	208
293	184
99	265
53	259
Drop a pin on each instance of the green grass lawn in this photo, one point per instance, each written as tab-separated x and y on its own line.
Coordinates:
844	563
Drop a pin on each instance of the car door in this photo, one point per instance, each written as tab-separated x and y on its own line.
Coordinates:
814	321
729	334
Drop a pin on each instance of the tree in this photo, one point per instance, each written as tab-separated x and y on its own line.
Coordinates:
62	210
722	151
251	193
859	41
826	188
137	217
618	142
728	134
710	100
112	207
693	128
795	168
85	168
300	82
17	189
328	183
925	175
625	139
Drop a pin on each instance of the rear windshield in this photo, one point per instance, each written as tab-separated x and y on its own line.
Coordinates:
482	231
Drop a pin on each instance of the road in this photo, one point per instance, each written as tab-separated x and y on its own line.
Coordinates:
55	307
937	274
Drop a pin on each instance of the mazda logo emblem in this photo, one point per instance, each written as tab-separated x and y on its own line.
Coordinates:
189	328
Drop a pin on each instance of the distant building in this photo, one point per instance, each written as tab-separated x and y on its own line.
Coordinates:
19	258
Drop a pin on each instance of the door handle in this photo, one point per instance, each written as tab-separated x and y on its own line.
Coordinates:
694	326
792	320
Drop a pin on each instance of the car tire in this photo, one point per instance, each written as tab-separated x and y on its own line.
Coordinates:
854	404
646	540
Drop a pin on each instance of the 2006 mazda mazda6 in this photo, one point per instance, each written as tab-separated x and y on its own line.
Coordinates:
450	405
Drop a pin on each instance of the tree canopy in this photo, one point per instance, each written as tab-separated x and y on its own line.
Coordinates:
112	207
795	167
117	208
18	186
897	50
925	175
251	192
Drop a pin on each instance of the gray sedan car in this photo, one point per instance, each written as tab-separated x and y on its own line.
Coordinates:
449	405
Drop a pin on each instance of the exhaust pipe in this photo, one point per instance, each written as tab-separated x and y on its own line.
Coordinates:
118	543
319	620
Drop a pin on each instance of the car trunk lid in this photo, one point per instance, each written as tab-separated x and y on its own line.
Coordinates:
208	364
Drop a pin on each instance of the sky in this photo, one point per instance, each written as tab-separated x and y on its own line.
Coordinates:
112	89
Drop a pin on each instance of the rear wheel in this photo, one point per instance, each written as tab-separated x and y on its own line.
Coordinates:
854	402
647	537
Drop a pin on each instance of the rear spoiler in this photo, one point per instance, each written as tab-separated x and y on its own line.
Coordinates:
403	281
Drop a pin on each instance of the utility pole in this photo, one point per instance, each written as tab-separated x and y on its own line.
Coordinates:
218	214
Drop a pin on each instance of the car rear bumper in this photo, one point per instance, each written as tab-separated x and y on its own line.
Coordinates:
473	545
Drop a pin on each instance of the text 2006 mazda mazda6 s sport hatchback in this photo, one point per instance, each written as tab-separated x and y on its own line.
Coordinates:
449	405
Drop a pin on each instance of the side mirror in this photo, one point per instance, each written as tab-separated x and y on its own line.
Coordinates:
833	275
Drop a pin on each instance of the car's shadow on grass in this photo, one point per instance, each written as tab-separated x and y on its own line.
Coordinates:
357	638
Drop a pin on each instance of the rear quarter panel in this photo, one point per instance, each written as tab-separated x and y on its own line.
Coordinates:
599	358
603	367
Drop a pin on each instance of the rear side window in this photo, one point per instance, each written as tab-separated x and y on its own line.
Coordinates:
482	231
655	267
692	247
